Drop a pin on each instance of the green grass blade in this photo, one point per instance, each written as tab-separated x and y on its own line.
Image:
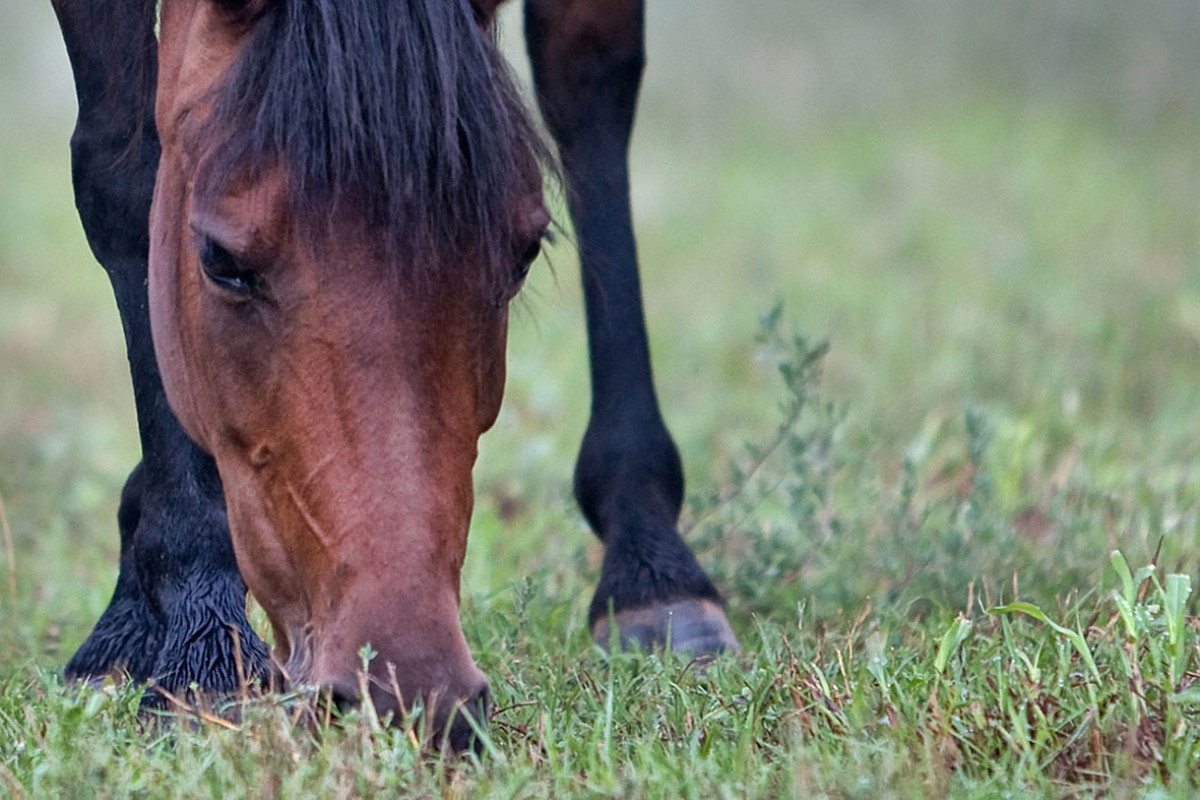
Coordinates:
1074	637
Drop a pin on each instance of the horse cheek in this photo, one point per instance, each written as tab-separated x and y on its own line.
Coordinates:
170	310
493	370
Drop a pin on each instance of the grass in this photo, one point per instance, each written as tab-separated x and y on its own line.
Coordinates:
933	485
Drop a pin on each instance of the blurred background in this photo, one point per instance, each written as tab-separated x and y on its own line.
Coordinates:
976	203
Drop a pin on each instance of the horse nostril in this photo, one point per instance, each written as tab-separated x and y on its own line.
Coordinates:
468	716
481	703
342	696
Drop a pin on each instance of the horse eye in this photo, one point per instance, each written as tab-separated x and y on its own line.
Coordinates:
222	268
527	258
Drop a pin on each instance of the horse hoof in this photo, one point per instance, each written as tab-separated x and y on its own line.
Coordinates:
694	627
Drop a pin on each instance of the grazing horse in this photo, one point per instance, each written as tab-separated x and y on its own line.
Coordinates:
314	214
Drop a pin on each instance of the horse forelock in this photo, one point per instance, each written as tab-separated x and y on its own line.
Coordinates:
402	109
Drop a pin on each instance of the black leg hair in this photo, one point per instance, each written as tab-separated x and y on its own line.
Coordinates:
587	61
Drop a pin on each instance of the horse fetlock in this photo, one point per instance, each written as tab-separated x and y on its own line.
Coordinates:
209	651
125	642
182	542
620	468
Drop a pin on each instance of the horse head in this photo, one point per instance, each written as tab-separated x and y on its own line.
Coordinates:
348	197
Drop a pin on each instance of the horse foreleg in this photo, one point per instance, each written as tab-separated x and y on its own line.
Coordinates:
587	58
179	597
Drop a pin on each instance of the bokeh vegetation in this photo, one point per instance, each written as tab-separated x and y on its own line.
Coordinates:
989	212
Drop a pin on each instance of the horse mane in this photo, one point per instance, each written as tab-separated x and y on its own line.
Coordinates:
403	108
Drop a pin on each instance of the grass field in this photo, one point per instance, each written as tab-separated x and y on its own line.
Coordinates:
991	215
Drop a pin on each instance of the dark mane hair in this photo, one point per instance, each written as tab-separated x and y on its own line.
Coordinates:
404	106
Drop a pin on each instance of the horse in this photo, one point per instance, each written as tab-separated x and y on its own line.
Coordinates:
314	215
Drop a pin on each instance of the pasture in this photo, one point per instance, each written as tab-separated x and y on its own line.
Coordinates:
980	225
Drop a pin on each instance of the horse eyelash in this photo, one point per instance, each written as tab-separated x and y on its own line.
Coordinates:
222	268
530	255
